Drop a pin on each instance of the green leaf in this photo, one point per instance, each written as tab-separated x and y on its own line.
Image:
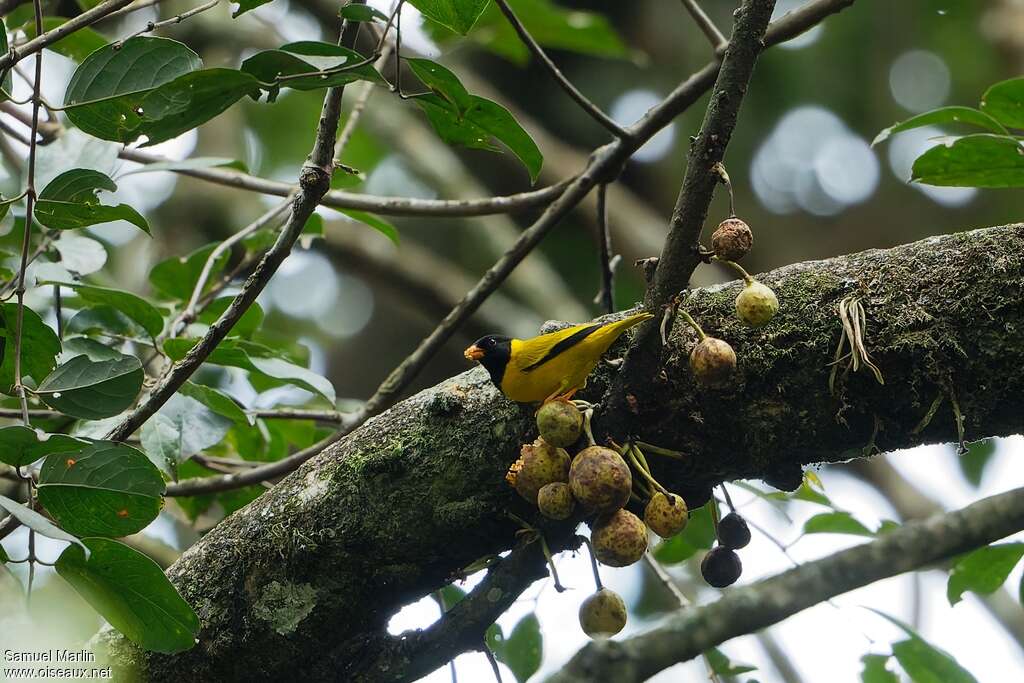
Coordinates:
374	221
983	571
181	428
150	86
77	45
944	115
723	666
35	521
699	534
1005	101
259	360
923	662
106	489
187	165
69	201
973	161
353	12
876	670
101	319
130	591
451	595
442	82
177	277
587	33
247	5
80	255
973	462
93	390
39	349
21	446
7	82
135	307
246	325
285	66
482	122
523	650
94	350
836	523
458	15
218	402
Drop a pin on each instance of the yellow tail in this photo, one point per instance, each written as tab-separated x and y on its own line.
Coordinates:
620	326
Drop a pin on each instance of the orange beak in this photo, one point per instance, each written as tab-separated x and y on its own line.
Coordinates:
474	352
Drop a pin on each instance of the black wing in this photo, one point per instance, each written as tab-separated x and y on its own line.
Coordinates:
564	345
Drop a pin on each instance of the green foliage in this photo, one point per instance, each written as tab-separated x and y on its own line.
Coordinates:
39	349
723	666
106	489
523	650
699	534
876	670
355	12
35	521
131	592
20	446
326	64
836	523
976	459
983	571
923	662
77	45
69	201
181	428
458	15
136	308
991	159
176	277
93	390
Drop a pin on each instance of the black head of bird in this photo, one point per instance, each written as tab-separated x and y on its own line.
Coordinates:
493	352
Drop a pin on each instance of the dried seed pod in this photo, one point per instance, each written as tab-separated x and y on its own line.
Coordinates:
713	362
721	567
555	500
603	614
619	539
733	531
539	463
560	423
666	515
732	239
756	304
600	479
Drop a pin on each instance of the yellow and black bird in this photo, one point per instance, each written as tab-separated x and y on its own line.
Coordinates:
550	366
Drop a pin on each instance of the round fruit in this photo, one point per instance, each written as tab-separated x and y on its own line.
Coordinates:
600	479
733	531
732	239
721	567
756	304
603	614
619	539
539	463
555	500
713	361
560	423
666	515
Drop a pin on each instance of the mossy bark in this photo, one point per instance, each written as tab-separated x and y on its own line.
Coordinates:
301	583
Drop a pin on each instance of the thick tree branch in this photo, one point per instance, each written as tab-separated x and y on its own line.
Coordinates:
749	608
308	575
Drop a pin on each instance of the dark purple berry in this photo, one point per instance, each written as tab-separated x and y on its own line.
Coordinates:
721	567
733	531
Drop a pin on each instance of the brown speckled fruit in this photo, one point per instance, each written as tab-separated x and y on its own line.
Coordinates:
732	239
713	362
721	567
666	515
603	614
555	500
733	531
560	423
619	539
539	463
600	479
756	304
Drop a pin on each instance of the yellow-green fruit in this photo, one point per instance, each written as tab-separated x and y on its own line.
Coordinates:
600	479
603	614
666	515
539	464
560	423
713	362
732	239
756	304
555	500
619	539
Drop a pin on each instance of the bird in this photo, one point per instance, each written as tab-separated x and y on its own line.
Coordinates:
550	366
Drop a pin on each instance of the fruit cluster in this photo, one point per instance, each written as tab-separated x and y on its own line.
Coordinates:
721	565
598	482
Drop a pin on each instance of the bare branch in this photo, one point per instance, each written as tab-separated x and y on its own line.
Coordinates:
749	608
706	25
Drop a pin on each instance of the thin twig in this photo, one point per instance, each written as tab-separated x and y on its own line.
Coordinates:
704	22
589	107
605	295
177	19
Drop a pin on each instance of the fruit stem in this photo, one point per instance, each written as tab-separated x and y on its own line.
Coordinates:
588	415
747	277
551	563
658	450
693	323
728	498
593	563
644	473
719	169
715	516
640	456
